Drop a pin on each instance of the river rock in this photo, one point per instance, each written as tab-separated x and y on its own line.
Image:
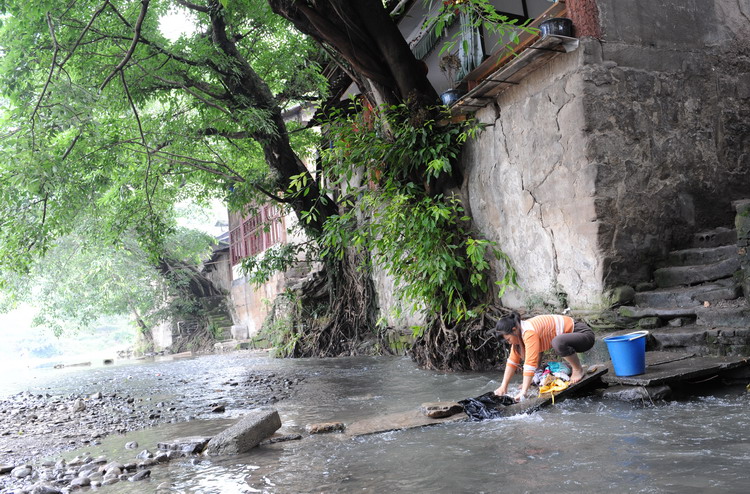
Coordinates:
325	427
144	454
131	445
148	462
80	482
45	489
192	445
161	457
143	474
112	466
245	434
88	467
77	406
6	469
441	409
21	472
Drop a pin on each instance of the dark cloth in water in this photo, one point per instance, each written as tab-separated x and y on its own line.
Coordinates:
487	406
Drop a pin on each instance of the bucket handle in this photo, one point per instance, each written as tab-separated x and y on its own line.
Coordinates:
637	334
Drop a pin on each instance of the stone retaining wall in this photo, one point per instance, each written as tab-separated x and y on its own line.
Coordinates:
604	159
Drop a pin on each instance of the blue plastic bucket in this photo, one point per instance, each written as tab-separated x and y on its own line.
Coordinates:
628	353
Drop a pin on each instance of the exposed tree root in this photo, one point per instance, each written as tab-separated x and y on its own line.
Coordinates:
466	346
335	312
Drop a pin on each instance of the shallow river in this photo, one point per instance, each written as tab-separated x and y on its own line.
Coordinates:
585	445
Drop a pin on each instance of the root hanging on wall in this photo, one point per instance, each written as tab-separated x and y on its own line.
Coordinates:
329	315
465	346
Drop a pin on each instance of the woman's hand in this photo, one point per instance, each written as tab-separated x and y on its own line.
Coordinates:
501	391
520	397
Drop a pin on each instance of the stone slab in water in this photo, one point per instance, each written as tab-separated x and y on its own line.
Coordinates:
669	368
416	418
399	421
246	434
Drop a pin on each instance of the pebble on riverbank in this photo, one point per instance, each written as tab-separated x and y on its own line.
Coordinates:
41	424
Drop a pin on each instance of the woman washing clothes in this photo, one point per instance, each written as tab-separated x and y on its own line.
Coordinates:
529	338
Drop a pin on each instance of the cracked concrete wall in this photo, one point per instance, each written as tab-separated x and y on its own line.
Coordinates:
604	159
667	102
531	188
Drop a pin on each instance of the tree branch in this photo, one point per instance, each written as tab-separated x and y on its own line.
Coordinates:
133	44
49	75
192	6
186	88
84	31
70	148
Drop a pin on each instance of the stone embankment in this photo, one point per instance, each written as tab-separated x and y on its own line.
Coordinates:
695	302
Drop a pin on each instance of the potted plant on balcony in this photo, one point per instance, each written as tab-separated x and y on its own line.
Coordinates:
449	66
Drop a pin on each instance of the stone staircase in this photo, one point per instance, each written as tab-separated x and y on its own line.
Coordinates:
695	303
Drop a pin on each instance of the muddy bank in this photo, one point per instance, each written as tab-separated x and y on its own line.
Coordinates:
37	425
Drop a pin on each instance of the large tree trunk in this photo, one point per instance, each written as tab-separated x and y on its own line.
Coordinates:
364	34
249	90
349	314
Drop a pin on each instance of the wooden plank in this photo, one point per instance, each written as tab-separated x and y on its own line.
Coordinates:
514	72
678	371
415	418
533	404
658	357
502	56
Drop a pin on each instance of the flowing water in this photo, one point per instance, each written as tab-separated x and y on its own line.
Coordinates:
586	445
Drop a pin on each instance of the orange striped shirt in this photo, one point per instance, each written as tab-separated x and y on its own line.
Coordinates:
537	334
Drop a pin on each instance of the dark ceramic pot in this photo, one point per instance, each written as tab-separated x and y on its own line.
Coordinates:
560	26
450	96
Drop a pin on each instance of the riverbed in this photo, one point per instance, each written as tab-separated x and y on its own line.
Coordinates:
696	444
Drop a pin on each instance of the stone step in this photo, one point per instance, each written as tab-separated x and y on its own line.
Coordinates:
661	312
715	238
691	275
689	296
701	340
706	255
716	317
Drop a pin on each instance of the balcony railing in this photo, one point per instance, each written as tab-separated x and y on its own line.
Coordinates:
256	233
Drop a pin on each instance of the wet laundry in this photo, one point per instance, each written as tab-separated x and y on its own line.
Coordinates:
486	406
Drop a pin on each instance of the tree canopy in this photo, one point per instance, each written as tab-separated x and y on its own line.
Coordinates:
103	116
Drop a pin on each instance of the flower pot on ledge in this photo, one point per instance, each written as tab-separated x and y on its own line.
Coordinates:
559	26
450	96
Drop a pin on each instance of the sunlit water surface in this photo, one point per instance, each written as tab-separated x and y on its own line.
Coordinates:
585	445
